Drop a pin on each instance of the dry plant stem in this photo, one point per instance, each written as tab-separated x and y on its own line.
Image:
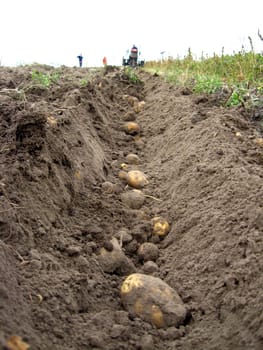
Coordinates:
64	109
157	199
121	240
9	235
6	91
98	265
23	261
29	87
4	211
4	148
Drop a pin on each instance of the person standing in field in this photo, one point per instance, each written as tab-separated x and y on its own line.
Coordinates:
80	57
104	61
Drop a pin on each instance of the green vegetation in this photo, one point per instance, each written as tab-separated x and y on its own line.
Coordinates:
207	84
239	76
84	82
129	72
44	79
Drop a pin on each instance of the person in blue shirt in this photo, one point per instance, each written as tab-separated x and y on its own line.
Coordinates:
80	57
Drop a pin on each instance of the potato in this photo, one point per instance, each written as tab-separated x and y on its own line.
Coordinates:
124	166
123	175
130	116
132	158
132	100
108	187
139	143
136	179
138	107
149	267
148	251
52	121
160	226
153	300
15	342
115	261
123	235
133	199
131	128
136	214
259	141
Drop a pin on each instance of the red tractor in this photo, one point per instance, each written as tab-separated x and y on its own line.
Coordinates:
133	58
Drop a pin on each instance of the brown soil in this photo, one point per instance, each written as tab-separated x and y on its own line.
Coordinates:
61	150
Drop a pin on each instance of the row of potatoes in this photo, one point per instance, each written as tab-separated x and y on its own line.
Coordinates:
142	295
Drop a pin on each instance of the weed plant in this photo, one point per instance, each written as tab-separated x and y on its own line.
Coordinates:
129	72
44	79
241	74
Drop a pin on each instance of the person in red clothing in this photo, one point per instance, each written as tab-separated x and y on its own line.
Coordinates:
104	61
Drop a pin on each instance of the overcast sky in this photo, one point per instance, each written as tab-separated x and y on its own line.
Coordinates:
55	32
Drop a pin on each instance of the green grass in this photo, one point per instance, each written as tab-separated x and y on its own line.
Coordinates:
241	74
130	74
44	79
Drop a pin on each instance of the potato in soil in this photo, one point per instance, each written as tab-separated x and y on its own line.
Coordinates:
113	260
133	199
129	116
152	300
132	158
148	251
136	179
131	128
107	187
160	226
138	106
132	100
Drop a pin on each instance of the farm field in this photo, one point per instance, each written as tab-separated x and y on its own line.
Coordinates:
73	226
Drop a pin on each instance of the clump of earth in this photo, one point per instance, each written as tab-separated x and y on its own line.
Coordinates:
72	229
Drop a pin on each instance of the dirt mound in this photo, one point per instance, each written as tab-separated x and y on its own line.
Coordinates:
63	201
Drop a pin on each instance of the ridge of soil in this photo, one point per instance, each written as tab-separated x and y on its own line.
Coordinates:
58	147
